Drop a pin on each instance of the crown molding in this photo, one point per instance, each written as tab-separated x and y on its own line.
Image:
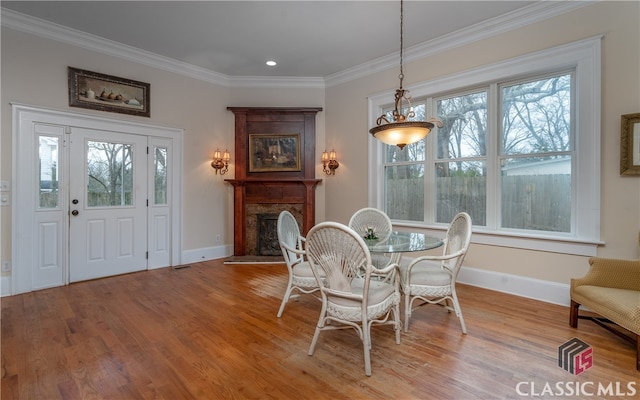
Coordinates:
74	37
277	82
516	19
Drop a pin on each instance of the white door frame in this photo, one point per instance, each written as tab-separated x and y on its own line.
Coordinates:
23	118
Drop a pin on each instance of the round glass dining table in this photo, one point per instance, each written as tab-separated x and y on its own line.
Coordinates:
397	243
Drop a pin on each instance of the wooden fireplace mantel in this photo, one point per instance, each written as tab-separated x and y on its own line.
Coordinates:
282	191
273	187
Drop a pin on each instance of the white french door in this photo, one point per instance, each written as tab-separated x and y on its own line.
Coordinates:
108	204
93	197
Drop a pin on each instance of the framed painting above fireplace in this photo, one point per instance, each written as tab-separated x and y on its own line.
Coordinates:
273	153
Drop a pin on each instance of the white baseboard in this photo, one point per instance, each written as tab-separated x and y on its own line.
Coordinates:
207	253
5	286
537	289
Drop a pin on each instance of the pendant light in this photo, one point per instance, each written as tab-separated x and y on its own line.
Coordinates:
401	132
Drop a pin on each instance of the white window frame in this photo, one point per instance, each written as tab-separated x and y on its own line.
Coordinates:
585	57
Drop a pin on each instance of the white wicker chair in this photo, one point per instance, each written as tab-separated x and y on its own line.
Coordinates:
432	279
301	278
348	299
372	218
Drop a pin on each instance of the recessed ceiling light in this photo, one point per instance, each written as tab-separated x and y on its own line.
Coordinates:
271	63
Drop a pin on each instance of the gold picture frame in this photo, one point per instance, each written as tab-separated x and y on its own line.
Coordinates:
102	92
274	153
630	144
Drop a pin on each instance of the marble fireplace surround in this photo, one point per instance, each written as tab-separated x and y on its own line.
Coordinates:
252	197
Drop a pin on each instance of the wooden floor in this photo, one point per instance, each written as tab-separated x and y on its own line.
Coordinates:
210	332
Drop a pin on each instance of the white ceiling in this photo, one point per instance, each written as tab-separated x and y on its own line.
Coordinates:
235	38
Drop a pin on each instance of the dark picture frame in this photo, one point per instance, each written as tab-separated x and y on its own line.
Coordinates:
274	153
630	144
108	93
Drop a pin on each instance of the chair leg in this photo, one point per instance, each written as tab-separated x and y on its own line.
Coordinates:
285	299
458	311
397	327
573	314
314	341
407	311
638	352
366	343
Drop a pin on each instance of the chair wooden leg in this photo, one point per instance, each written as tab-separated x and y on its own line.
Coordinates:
573	314
638	352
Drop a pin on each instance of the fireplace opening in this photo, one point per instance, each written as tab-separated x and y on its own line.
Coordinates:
268	235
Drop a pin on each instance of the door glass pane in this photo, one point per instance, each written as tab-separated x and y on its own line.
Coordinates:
109	174
160	176
48	171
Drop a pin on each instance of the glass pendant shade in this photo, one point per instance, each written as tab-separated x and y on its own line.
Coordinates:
401	133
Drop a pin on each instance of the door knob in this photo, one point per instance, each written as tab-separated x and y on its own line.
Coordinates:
74	212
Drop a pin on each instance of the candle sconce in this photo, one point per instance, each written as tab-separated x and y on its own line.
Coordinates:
329	162
221	163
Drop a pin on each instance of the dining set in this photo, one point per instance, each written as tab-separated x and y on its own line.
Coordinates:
358	273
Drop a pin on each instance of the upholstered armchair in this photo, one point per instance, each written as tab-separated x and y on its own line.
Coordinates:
610	289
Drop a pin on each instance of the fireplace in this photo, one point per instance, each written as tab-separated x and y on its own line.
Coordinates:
259	203
267	238
259	195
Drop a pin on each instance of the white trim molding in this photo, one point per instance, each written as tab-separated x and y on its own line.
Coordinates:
531	288
5	286
536	12
206	254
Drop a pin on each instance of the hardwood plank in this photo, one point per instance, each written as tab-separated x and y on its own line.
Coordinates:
210	331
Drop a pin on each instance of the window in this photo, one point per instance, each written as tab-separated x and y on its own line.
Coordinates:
518	151
160	183
48	184
109	174
535	154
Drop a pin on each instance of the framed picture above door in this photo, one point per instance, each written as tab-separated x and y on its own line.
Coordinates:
102	92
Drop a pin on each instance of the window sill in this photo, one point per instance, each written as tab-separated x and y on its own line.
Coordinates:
558	244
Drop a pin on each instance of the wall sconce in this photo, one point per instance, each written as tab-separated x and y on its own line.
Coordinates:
221	163
329	162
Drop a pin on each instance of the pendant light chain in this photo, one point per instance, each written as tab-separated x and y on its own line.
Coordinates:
401	76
